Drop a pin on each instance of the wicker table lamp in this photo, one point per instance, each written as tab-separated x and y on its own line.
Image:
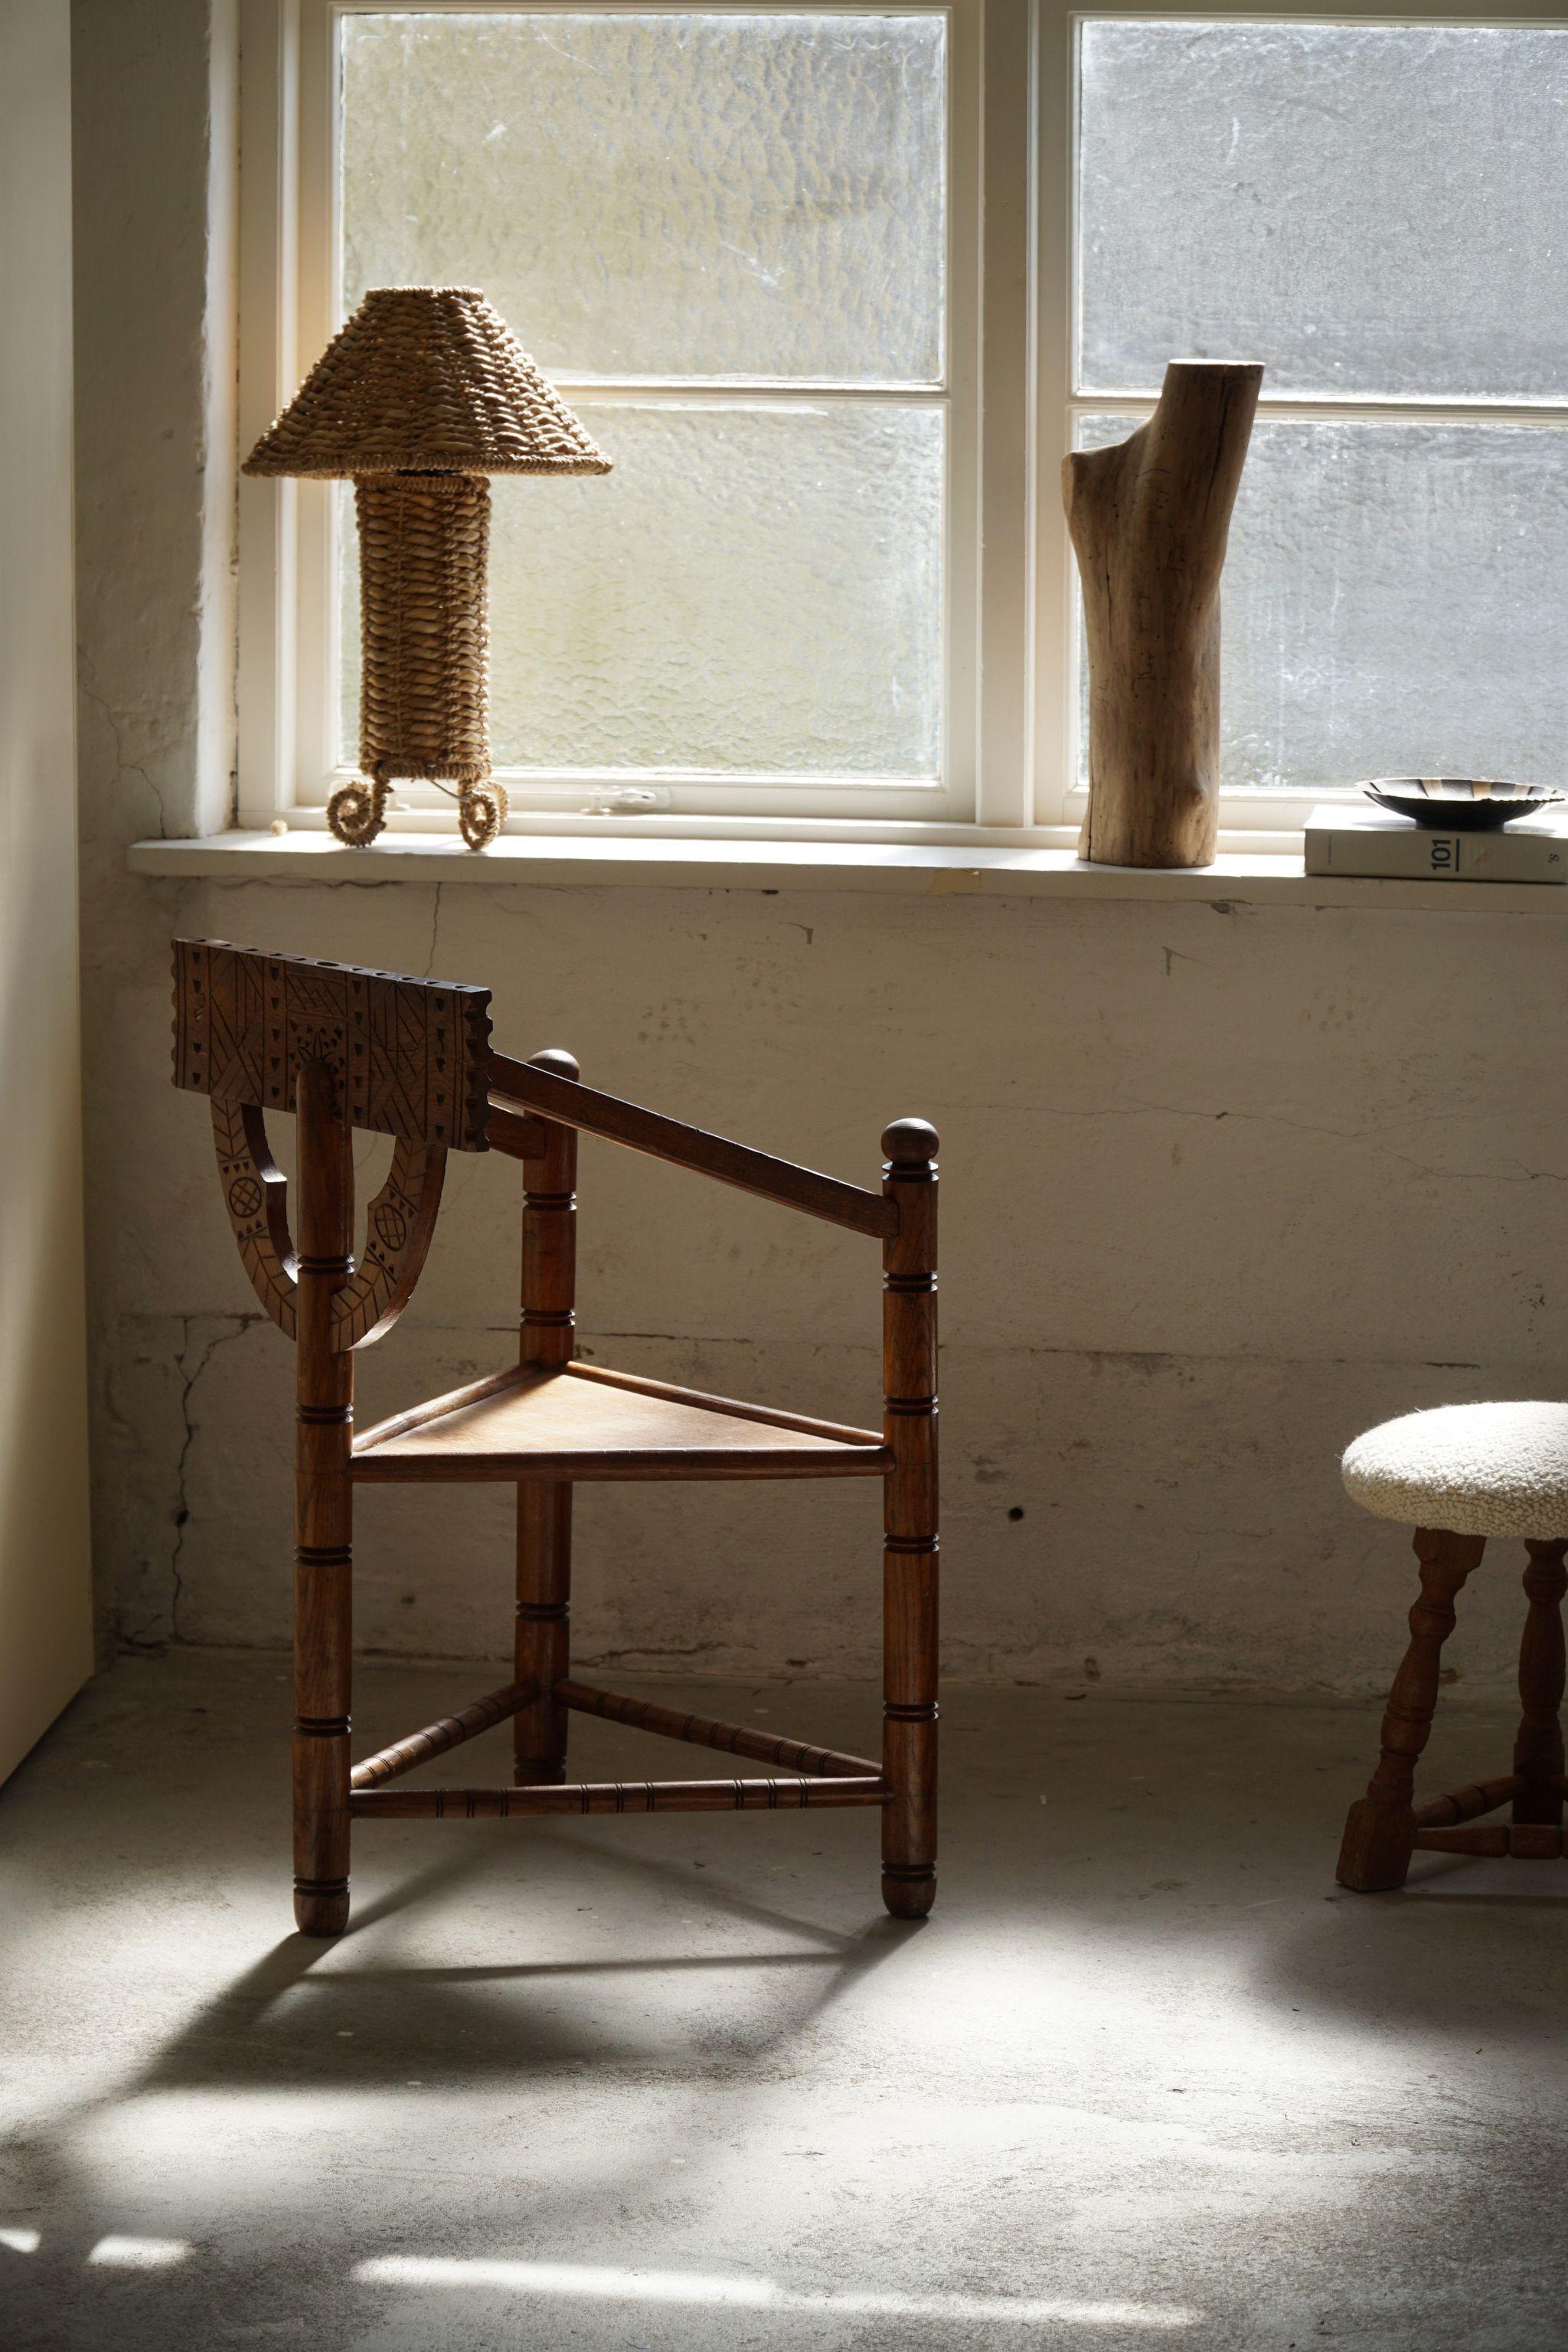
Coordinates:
418	397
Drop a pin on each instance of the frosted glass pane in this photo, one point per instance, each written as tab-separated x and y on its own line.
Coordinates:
1395	602
662	194
1370	209
754	589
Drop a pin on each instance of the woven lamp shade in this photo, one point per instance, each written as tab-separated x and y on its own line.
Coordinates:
423	392
425	380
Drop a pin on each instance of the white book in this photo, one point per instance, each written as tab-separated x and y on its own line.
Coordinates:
1361	838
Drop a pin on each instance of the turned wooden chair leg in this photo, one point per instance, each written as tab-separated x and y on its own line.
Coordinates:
544	1506
1380	1833
323	1515
1538	1749
909	1555
543	1629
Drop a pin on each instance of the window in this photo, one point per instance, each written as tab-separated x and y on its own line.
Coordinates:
742	242
1365	207
836	285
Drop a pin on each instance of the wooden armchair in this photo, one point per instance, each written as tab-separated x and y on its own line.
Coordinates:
342	1048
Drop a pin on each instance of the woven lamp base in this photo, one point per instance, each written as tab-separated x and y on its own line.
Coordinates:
424	694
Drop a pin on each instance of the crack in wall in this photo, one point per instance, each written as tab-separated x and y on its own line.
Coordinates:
434	929
241	1323
122	766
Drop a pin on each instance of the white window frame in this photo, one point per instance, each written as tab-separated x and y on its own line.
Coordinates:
1248	817
289	310
1011	703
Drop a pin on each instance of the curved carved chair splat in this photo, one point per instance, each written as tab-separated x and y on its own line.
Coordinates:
256	1194
400	1224
340	1049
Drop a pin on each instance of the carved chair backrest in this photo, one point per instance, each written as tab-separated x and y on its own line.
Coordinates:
412	1058
409	1058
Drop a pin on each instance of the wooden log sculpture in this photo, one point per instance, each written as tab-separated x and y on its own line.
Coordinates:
1149	520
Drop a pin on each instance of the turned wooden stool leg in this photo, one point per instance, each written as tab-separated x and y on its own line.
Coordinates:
1380	1831
544	1506
324	1514
909	1555
1538	1750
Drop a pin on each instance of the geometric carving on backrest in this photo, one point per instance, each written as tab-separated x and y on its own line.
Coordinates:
411	1056
400	1225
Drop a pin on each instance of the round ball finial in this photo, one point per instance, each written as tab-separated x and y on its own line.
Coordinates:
910	1142
557	1061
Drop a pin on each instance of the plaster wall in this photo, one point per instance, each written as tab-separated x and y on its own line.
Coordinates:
1221	1184
45	1585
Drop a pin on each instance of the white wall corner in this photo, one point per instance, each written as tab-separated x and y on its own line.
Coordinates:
154	104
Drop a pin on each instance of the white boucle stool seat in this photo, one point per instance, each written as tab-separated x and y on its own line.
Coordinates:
1473	1469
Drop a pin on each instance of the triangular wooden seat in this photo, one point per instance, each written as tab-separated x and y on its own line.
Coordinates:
585	1421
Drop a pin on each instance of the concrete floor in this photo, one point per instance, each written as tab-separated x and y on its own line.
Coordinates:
1145	2078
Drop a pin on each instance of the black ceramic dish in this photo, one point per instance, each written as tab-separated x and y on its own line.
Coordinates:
1459	803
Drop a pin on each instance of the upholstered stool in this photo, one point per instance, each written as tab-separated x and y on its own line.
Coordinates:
1458	1476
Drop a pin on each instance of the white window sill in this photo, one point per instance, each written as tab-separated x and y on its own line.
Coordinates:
570	861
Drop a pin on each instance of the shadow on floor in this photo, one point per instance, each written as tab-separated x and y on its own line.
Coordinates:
1147	2076
290	2019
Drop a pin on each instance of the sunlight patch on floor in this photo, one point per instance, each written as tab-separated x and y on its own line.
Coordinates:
697	2287
139	2253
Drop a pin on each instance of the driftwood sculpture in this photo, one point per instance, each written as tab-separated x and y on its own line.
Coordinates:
1149	520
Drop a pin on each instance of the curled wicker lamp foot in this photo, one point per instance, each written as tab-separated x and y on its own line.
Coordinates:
481	810
357	813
